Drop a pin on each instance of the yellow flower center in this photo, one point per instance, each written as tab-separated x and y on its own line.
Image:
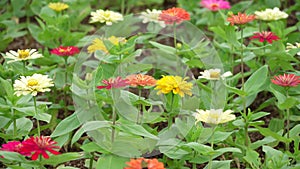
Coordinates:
23	54
215	75
214	5
32	82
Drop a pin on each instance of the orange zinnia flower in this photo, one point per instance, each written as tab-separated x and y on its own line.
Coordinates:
141	163
174	15
140	80
240	18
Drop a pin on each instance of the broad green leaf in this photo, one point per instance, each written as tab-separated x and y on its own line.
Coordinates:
62	158
219	164
43	117
268	132
257	80
136	130
258	115
165	48
12	156
93	147
135	68
252	157
67	125
288	103
111	162
200	148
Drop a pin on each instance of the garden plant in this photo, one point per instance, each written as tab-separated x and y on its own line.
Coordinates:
156	84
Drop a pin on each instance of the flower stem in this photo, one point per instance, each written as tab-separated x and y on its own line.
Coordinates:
91	161
242	69
212	146
170	115
14	122
140	110
37	121
114	116
66	85
24	67
287	146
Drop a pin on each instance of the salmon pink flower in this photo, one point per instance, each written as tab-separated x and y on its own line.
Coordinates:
286	80
142	163
240	19
141	80
118	82
14	146
65	51
39	145
265	36
215	5
174	15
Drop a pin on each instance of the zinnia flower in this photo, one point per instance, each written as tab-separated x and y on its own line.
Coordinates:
142	163
58	6
215	5
14	146
98	43
22	55
152	16
265	36
118	82
213	116
108	17
140	80
39	145
291	46
174	84
240	18
271	14
286	80
32	84
214	74
174	15
65	51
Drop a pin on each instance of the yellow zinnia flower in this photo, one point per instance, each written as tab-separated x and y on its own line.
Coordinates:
58	6
98	43
214	116
174	84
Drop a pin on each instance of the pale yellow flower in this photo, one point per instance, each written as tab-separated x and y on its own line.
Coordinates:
107	17
174	84
152	16
98	43
58	6
214	116
22	55
291	46
32	84
270	14
214	74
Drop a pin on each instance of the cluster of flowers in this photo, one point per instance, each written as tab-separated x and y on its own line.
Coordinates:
33	146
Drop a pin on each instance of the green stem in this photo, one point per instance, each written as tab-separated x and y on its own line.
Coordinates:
140	110
24	67
212	146
242	69
66	85
37	121
123	7
246	133
114	116
14	122
287	148
91	161
170	116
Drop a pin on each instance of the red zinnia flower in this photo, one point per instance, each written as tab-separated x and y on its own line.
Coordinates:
118	82
215	5
14	146
141	163
174	15
141	80
265	36
38	146
65	51
240	18
286	80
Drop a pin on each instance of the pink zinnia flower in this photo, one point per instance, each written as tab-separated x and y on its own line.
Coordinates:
265	36
65	51
215	5
118	82
141	80
174	15
240	19
14	146
286	80
39	145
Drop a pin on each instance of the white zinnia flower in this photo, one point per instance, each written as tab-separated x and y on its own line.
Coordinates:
291	46
214	74
213	116
152	16
22	55
32	84
108	17
271	14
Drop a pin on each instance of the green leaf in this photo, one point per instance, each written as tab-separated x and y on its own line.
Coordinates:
235	90
164	48
111	161
93	147
61	158
257	80
43	117
67	125
288	103
8	88
268	132
136	130
219	164
135	68
258	115
12	156
201	148
252	157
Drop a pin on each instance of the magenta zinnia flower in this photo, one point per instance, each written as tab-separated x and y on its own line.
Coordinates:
14	146
286	80
118	82
65	51
265	36
215	5
39	145
174	15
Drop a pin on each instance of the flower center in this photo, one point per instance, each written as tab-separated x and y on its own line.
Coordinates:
214	6
32	82
23	54
64	50
215	75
